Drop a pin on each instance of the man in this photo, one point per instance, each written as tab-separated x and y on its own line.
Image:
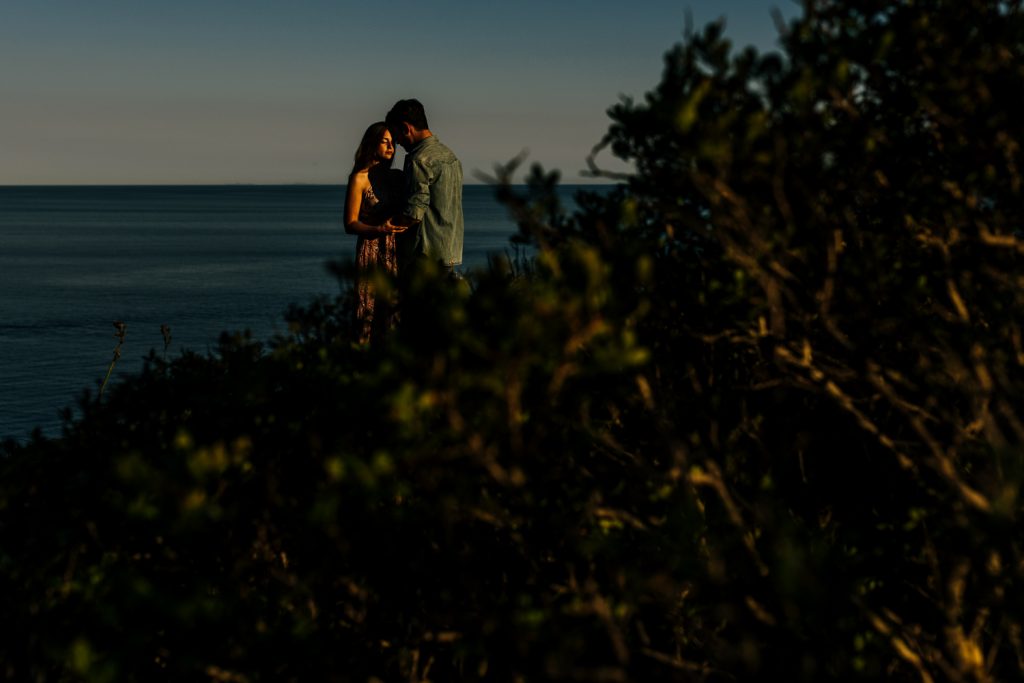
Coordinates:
433	197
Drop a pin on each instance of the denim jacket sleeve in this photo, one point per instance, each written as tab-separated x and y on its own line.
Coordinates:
418	184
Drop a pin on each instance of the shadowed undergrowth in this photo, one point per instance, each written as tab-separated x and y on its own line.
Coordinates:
754	414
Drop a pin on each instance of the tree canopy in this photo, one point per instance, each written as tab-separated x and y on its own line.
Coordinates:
753	414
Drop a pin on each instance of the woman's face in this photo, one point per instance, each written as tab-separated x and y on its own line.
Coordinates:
385	148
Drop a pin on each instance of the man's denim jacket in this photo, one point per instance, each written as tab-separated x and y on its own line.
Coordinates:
433	177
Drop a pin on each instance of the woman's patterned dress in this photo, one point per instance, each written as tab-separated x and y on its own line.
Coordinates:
375	311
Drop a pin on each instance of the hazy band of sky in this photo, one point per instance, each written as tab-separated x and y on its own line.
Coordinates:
267	91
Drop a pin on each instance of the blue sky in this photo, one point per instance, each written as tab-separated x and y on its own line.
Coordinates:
268	91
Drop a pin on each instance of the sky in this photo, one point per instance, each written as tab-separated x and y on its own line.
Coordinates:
280	91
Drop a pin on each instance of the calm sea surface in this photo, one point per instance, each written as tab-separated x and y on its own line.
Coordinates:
200	259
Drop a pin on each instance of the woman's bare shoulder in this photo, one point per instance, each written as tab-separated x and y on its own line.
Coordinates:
359	179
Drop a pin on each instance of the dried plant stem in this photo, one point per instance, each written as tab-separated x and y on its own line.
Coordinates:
165	330
119	332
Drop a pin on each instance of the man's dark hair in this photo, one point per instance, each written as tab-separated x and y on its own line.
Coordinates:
408	111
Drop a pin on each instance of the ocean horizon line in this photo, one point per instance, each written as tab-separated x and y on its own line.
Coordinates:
227	184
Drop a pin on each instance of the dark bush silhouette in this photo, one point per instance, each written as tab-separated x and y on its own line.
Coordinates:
755	414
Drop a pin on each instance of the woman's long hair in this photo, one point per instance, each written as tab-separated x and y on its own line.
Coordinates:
367	149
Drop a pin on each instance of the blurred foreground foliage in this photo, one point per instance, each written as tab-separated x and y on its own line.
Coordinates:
754	414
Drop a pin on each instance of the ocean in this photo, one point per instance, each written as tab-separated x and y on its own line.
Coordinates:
198	259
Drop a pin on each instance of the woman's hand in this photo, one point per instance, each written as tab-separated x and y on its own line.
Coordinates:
390	228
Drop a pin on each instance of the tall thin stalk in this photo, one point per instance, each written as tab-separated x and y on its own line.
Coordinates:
165	330
119	333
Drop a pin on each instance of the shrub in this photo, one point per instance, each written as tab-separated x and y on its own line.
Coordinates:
753	414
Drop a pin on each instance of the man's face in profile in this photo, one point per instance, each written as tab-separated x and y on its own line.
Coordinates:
400	134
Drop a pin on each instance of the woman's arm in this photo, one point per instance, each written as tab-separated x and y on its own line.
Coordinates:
357	184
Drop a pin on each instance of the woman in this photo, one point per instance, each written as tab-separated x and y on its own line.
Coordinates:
373	192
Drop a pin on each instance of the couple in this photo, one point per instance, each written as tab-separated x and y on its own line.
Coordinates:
402	218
